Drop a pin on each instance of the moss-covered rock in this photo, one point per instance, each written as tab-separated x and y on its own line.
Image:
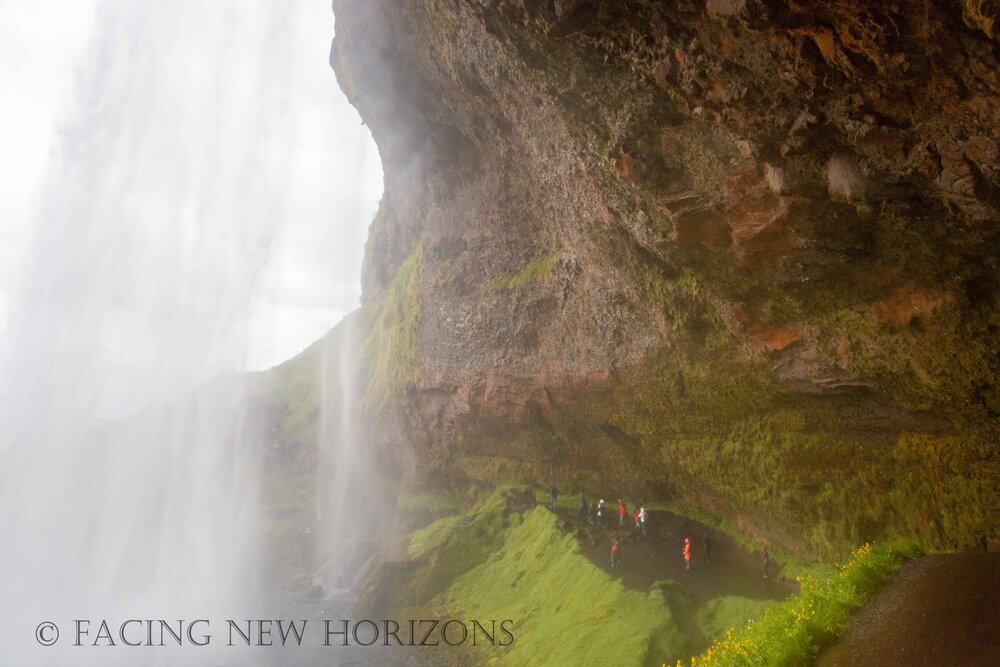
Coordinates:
741	256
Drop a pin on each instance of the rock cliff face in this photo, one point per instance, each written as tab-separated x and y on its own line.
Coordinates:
738	253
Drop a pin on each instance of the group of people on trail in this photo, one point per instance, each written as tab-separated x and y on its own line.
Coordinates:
598	514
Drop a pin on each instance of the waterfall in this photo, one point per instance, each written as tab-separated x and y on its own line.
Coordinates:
132	483
347	504
150	517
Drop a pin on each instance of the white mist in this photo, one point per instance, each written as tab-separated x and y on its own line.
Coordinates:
202	214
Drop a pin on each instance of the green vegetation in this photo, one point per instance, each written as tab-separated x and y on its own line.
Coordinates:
435	502
523	567
391	346
570	612
722	614
793	632
710	409
766	467
288	501
294	385
493	561
539	270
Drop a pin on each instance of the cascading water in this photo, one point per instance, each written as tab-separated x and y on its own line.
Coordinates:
347	509
169	183
150	517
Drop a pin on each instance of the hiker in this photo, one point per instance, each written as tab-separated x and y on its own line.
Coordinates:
621	512
600	512
615	553
704	545
591	513
583	506
553	496
687	553
765	560
635	517
643	517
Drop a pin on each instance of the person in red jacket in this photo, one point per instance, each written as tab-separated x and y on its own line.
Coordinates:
621	512
615	553
687	553
635	516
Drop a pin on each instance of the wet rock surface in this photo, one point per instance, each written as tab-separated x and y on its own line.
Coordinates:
643	224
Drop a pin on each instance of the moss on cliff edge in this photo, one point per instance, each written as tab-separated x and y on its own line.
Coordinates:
391	345
538	270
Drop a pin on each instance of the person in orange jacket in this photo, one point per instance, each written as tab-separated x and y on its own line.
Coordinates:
687	553
621	512
635	516
615	553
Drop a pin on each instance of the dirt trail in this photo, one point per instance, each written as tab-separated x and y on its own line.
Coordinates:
937	610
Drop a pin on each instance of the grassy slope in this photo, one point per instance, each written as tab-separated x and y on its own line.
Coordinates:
566	610
523	567
569	611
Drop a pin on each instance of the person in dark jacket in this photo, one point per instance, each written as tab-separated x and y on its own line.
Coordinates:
765	560
704	546
553	497
583	506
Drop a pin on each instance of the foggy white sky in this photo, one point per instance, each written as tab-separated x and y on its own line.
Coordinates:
184	191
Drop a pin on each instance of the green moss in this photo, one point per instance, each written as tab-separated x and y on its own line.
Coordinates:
294	386
432	536
729	442
724	613
490	563
709	429
539	270
449	547
566	610
709	408
391	346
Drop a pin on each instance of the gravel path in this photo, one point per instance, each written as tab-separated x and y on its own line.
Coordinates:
937	610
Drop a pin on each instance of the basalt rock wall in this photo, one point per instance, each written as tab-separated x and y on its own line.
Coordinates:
740	254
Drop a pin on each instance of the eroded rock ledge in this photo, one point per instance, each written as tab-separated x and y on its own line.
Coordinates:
742	253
